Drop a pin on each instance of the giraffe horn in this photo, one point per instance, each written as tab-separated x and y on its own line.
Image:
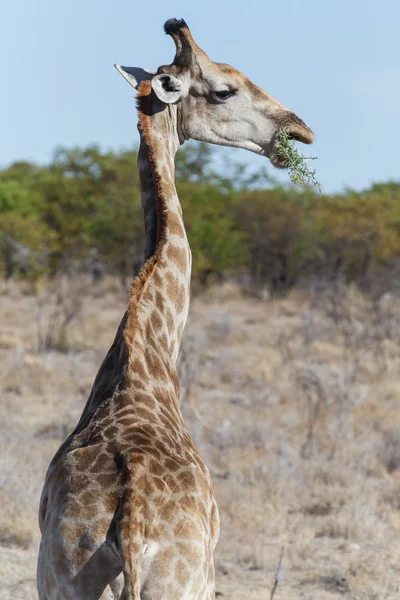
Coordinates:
186	47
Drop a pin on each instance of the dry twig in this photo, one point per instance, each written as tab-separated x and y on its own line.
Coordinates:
278	575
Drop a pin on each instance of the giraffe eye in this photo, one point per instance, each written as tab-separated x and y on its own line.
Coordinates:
225	94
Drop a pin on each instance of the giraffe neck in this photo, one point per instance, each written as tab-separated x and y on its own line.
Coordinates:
159	297
147	342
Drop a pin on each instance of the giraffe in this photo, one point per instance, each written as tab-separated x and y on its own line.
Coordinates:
128	509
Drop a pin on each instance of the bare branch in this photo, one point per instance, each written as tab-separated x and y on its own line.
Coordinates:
278	575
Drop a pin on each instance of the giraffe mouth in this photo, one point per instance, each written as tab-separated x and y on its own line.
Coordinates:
298	132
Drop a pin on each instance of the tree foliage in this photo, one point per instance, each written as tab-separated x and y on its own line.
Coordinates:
237	221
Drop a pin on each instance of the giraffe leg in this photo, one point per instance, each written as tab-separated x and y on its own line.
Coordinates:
171	577
131	524
78	557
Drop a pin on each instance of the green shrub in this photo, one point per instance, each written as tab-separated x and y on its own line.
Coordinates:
87	199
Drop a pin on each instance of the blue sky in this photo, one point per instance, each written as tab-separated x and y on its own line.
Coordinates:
336	63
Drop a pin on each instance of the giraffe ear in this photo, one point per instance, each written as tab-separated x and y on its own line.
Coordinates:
134	75
168	89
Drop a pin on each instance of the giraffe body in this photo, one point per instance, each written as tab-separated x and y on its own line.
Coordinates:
128	510
170	535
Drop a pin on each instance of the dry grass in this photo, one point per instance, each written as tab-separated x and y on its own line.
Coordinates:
294	404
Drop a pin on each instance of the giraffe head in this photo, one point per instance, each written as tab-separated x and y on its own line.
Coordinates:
215	102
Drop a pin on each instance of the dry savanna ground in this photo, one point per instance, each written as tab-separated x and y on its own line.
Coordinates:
294	404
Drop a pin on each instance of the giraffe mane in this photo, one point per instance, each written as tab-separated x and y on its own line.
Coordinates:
138	285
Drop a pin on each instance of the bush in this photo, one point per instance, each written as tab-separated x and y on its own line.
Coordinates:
86	199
